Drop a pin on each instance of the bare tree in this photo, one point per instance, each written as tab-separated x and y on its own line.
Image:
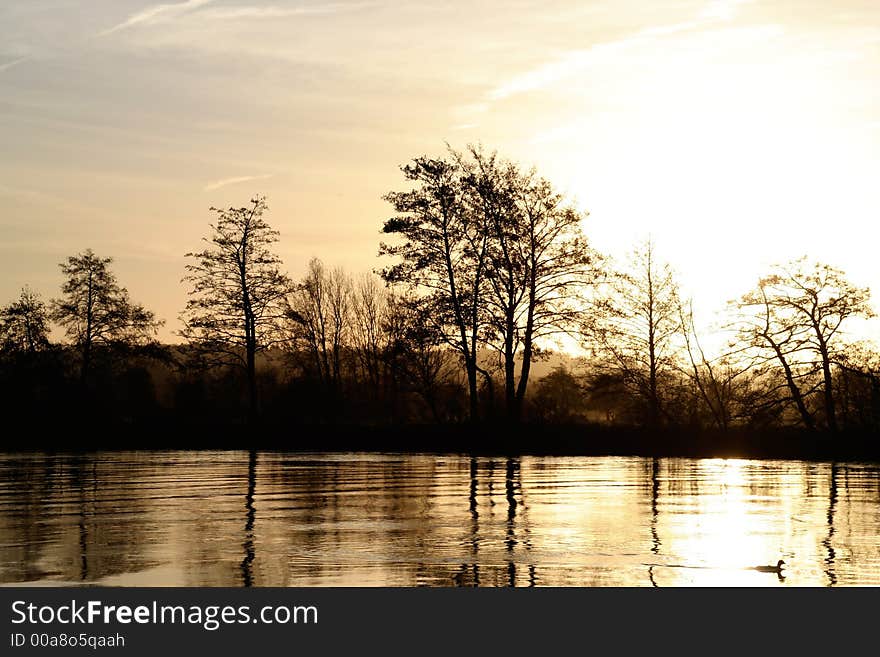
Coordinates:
499	253
95	311
721	381
802	306
539	263
489	192
782	344
639	321
369	309
236	304
560	267
443	256
320	311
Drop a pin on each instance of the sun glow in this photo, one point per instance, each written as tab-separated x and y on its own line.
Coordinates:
733	148
723	533
735	133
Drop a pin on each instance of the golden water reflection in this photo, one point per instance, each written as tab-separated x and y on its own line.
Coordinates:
274	519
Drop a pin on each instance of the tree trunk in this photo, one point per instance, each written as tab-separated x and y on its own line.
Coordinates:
473	393
510	375
521	387
830	410
490	389
526	366
653	400
792	387
252	380
86	362
87	343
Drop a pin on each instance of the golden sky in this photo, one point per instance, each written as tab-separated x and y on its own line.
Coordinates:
737	132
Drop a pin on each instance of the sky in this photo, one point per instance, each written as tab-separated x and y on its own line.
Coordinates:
737	133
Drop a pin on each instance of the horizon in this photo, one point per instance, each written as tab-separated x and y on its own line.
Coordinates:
125	122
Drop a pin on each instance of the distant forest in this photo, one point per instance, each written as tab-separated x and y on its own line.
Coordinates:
486	286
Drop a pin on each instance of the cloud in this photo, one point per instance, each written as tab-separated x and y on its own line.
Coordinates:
578	60
234	13
157	14
166	12
217	184
14	62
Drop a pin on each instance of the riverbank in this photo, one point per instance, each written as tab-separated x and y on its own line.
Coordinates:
488	439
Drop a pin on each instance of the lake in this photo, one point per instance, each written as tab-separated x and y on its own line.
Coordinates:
225	518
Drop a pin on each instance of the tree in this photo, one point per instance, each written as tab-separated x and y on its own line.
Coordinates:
369	310
442	257
859	385
415	356
781	344
488	188
638	322
539	261
721	382
236	306
798	311
31	371
95	311
320	310
559	267
24	325
499	256
560	397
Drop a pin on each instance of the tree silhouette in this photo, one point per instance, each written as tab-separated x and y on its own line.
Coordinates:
559	397
320	310
24	325
639	319
721	382
538	261
859	385
496	254
31	370
415	355
236	304
797	311
369	340
95	311
443	256
758	329
559	267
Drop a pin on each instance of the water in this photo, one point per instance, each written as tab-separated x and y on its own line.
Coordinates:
274	519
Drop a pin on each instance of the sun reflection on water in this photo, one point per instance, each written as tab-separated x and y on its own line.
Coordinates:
272	519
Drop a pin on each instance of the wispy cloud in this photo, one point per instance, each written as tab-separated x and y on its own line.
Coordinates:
157	14
15	62
577	60
217	184
164	13
226	13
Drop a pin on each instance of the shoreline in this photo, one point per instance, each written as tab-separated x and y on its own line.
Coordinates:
477	440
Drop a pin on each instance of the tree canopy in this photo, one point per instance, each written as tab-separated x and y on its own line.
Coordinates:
237	297
96	311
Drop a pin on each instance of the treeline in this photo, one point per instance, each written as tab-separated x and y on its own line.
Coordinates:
486	271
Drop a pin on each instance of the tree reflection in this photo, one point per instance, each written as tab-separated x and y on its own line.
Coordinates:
247	562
